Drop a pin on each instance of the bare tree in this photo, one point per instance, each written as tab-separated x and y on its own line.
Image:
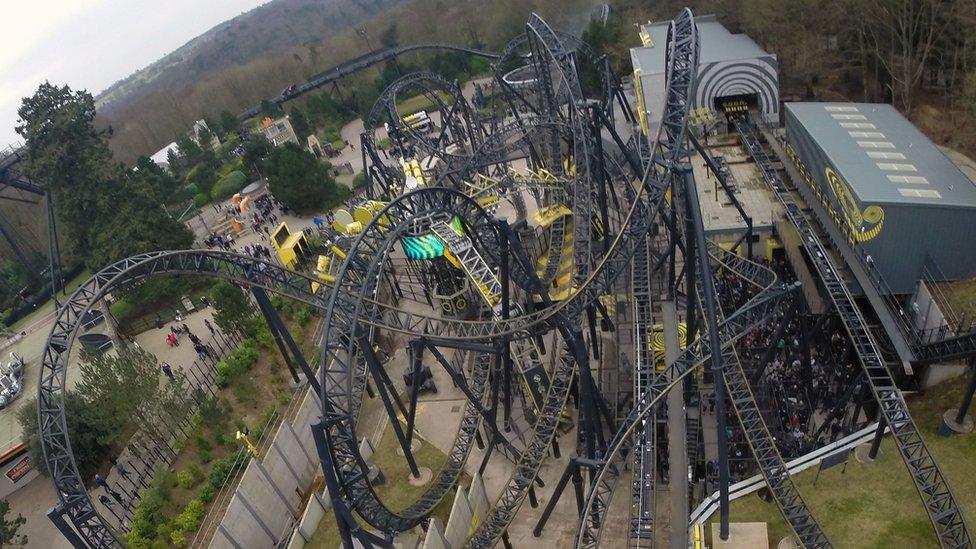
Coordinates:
901	35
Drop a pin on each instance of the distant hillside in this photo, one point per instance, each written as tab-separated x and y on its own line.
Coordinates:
278	27
257	54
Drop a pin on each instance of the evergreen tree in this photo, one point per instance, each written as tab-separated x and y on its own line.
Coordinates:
9	526
190	151
69	156
107	212
299	122
300	181
232	310
175	165
270	109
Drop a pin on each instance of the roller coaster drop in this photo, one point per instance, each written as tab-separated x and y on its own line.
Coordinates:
512	223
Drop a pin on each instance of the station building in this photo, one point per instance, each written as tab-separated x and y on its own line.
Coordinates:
732	67
905	208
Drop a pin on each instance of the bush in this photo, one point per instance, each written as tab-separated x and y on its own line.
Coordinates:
201	441
358	180
184	479
206	493
178	538
189	519
201	199
235	165
240	360
221	470
228	185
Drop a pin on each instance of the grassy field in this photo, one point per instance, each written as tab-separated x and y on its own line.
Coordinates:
877	505
396	493
418	102
961	296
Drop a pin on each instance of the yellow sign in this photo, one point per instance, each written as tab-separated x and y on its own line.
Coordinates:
862	225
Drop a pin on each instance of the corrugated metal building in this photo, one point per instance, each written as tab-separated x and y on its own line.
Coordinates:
730	66
894	194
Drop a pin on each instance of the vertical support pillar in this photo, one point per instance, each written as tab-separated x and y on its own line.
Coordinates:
878	435
967	398
691	289
710	305
296	353
506	348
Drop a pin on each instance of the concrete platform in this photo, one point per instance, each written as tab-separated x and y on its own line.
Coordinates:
742	535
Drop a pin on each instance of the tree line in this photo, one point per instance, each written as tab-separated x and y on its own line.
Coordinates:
143	126
918	55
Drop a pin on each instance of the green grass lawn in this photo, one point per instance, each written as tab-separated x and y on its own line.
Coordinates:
48	305
418	102
877	505
961	296
396	492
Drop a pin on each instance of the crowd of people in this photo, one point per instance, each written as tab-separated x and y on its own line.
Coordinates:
263	218
799	366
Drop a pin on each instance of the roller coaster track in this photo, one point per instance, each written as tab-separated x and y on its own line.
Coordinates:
764	450
241	270
525	354
642	493
950	348
940	504
756	311
353	313
357	64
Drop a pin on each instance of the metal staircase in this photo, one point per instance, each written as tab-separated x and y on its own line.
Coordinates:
472	264
950	348
939	502
526	355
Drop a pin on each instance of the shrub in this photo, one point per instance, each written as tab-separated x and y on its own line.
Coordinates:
303	314
206	493
195	472
358	180
178	538
184	479
189	519
228	185
240	360
222	468
201	441
205	456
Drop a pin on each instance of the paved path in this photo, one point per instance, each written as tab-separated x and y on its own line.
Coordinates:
32	501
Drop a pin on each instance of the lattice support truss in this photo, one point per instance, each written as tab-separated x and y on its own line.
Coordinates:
937	498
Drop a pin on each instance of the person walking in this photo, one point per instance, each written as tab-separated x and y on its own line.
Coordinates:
100	481
168	370
209	327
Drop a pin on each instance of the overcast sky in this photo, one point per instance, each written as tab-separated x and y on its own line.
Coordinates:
89	44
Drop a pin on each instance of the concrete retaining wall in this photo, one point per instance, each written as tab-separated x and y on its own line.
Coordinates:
268	501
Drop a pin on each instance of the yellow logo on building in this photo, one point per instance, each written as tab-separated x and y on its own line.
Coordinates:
862	225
